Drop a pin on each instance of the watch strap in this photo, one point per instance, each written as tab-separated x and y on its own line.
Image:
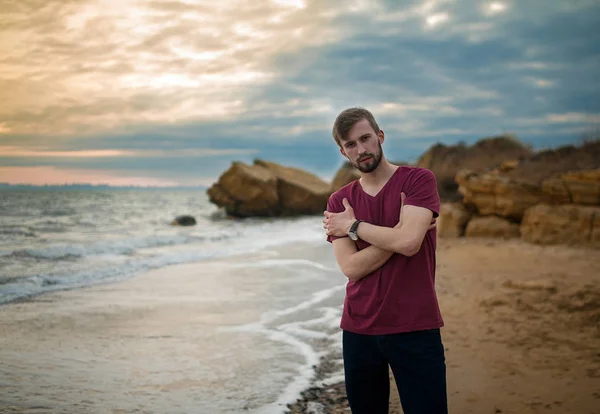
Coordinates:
354	226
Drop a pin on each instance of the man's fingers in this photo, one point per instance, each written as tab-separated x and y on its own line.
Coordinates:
346	204
402	198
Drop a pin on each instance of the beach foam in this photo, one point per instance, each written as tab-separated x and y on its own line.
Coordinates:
79	265
311	338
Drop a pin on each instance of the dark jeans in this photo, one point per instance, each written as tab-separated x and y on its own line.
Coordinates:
418	364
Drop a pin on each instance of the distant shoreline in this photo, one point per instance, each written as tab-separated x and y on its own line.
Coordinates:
5	186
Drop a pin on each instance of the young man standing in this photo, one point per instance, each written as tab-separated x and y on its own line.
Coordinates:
382	228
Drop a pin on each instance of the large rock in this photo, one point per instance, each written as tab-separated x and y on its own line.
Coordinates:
492	226
246	191
577	187
584	186
445	161
300	192
555	163
267	189
562	224
345	175
556	191
498	194
453	220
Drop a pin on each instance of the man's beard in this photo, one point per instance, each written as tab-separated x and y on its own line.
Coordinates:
371	165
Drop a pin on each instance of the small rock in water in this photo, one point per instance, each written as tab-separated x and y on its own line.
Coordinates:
184	221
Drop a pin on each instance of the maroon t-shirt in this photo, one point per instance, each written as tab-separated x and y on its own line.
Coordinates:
399	296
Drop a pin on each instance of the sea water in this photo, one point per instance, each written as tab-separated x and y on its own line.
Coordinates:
269	320
53	240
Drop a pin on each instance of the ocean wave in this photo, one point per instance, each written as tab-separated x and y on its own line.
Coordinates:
132	255
117	247
49	226
32	254
58	212
17	231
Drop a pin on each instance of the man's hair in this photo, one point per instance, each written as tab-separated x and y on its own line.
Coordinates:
347	119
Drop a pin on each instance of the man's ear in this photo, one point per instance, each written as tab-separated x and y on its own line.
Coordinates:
343	153
381	136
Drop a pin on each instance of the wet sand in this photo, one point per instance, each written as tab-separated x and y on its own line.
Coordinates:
190	338
522	330
522	334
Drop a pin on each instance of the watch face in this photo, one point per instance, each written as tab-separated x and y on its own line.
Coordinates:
353	236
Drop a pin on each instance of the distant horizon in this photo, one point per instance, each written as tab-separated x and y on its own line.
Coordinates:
4	185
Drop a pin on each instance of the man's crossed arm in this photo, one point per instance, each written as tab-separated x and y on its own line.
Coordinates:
404	238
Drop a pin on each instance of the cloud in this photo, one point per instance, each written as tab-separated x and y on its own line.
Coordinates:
585	120
495	7
436	19
82	68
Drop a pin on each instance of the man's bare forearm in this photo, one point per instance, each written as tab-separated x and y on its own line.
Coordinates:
389	239
365	261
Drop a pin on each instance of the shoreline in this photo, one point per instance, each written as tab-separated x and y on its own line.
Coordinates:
153	336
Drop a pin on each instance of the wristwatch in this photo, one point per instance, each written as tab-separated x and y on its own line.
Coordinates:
352	232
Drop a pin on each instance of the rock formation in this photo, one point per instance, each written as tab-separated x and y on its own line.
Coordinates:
445	161
345	175
246	191
299	191
562	224
267	189
551	197
553	163
453	220
495	194
492	226
578	187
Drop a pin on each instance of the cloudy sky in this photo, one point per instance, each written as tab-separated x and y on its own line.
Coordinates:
170	92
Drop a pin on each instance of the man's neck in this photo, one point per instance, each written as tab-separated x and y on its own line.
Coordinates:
379	176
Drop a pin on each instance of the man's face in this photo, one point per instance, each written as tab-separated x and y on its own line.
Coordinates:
363	147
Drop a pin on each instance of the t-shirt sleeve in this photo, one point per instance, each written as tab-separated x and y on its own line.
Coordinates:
423	192
335	205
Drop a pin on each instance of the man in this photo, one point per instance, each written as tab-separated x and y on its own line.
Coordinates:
382	228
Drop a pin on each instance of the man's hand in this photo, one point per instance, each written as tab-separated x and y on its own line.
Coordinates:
432	225
402	198
338	224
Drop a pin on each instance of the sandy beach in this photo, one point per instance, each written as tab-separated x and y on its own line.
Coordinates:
522	329
521	335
